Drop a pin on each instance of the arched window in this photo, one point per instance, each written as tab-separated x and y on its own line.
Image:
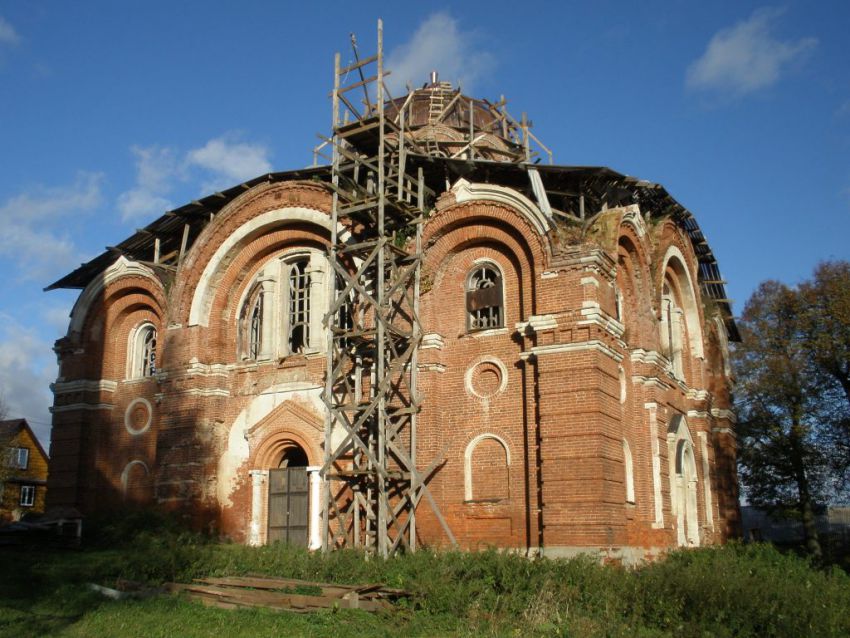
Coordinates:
629	472
281	311
143	352
672	330
255	335
484	299
298	328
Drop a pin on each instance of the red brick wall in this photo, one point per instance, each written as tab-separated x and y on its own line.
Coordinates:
556	390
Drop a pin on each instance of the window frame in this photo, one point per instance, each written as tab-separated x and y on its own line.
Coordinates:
30	490
470	294
291	324
14	459
142	361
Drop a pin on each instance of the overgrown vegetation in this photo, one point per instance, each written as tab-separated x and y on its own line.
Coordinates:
735	590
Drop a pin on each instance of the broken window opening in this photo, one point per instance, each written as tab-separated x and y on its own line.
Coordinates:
255	338
484	301
143	352
299	306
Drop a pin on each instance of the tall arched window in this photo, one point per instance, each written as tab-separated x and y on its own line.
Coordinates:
143	352
672	329
484	298
280	312
252	324
298	328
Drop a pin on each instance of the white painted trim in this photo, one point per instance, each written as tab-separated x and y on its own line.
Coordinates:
650	382
258	482
503	371
658	502
199	313
128	412
83	385
651	357
58	409
537	323
315	511
432	340
706	480
465	191
431	367
202	392
125	474
691	310
631	216
729	415
628	472
122	267
594	344
594	315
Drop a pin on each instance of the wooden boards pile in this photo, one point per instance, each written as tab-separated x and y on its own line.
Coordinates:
288	594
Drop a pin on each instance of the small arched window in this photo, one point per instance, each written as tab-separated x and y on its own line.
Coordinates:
484	299
143	352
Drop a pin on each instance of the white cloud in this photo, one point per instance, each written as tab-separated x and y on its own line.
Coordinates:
229	161
8	35
222	162
27	367
156	170
439	45
28	220
747	56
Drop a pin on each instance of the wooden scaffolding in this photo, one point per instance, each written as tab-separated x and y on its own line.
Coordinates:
372	480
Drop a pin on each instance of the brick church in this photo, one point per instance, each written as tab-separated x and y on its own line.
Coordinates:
568	368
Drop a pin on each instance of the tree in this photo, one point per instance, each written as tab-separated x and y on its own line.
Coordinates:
793	393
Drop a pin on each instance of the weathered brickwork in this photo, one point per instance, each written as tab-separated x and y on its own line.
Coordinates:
594	415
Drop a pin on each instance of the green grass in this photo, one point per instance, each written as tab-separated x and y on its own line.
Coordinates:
728	591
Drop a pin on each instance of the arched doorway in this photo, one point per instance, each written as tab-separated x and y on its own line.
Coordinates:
289	497
686	480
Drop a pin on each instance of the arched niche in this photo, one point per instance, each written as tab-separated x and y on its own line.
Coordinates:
487	462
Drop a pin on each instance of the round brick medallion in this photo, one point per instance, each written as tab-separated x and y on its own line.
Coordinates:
487	378
137	418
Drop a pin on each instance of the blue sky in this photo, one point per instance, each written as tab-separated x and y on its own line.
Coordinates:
112	112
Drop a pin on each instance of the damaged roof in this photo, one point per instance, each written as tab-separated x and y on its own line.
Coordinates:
565	186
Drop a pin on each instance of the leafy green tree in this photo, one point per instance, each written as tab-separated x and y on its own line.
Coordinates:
778	403
793	393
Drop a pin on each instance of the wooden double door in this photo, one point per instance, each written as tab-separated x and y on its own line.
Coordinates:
289	506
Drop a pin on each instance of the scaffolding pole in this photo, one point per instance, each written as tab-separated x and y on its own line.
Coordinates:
372	484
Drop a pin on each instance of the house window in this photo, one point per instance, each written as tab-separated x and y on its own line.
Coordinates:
27	495
484	301
18	458
143	354
299	306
